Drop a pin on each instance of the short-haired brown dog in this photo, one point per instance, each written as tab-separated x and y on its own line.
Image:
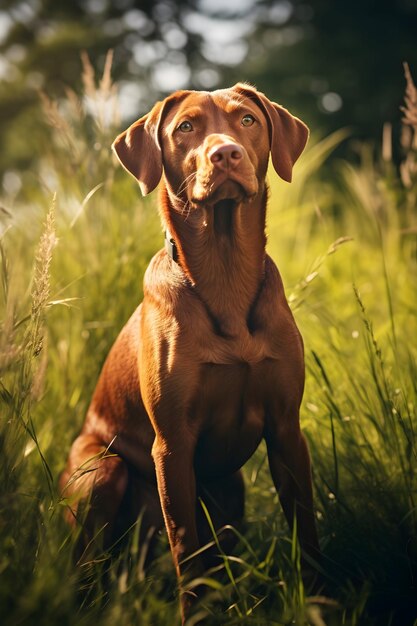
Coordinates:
211	362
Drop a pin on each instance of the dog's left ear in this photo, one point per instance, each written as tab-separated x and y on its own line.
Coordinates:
288	134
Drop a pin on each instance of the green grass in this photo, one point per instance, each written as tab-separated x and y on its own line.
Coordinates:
71	275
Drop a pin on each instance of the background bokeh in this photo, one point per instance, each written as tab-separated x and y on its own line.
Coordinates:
334	64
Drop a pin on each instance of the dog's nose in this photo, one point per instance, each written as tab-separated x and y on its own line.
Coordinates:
226	156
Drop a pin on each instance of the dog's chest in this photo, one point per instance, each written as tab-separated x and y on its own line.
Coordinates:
230	413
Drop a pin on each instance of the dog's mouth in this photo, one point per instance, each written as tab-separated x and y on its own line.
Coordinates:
228	193
222	202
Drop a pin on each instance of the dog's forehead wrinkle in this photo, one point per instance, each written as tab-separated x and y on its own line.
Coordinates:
229	100
206	101
195	100
190	112
192	107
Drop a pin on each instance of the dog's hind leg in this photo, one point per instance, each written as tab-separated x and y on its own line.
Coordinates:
222	504
93	483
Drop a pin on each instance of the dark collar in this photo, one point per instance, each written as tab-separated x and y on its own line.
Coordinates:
171	246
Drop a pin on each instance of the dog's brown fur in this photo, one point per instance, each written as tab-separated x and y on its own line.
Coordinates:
211	362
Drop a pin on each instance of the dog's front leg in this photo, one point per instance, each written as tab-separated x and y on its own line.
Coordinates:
290	467
177	491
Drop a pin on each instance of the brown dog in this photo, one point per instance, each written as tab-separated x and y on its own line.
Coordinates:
211	362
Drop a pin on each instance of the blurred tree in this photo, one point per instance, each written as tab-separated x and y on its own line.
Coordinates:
41	42
333	63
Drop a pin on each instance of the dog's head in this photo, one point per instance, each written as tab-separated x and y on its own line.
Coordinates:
212	145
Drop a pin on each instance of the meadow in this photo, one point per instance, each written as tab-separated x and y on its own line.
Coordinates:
75	242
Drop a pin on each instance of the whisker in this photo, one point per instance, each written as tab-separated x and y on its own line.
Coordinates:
186	209
186	181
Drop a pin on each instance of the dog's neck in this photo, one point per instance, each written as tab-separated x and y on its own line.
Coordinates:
221	250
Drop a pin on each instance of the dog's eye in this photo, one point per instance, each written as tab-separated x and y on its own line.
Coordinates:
185	127
248	120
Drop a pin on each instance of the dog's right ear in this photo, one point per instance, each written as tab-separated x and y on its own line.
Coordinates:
138	148
139	152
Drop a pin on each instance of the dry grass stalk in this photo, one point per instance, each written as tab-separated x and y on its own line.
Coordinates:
41	284
53	115
106	86
65	135
40	291
33	376
101	99
387	142
408	167
88	76
410	108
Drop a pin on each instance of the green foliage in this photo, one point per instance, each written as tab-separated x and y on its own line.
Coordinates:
356	309
346	247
